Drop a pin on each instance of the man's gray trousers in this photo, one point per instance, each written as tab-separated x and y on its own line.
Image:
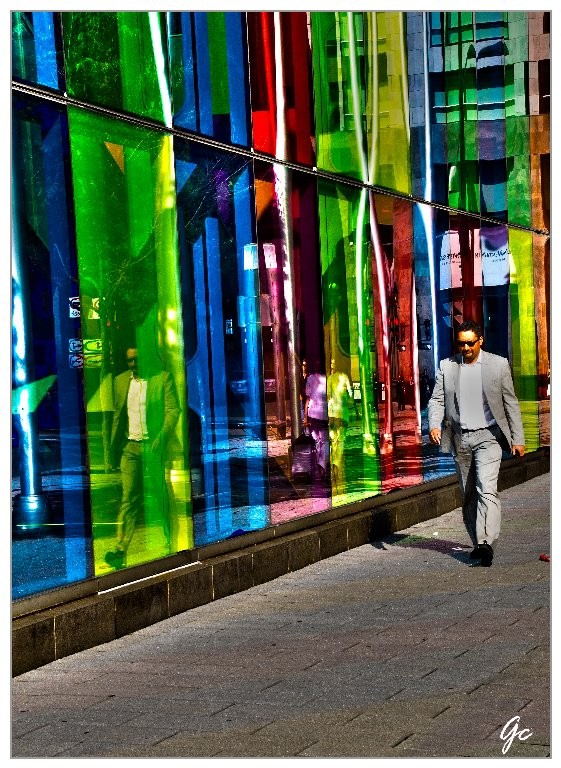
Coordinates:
477	455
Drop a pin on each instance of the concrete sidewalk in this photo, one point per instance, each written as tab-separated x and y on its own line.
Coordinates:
398	648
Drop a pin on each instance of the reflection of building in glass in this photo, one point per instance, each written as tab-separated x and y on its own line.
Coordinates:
245	198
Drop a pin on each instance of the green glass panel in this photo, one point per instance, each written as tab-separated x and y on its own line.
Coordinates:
519	198
523	330
516	64
459	27
118	60
348	315
338	64
519	194
452	57
218	46
387	102
467	25
542	307
31	394
130	300
452	24
463	189
517	35
462	145
509	90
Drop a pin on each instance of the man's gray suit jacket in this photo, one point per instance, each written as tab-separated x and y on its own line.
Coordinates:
162	414
444	410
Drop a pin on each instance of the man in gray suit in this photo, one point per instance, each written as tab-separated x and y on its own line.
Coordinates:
474	415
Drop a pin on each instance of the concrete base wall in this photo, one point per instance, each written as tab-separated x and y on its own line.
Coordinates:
77	622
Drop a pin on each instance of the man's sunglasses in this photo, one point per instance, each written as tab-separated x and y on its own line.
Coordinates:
469	343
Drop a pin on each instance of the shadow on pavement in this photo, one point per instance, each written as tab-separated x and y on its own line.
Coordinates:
451	548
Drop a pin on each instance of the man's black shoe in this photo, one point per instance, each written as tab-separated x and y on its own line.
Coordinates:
475	553
115	558
486	554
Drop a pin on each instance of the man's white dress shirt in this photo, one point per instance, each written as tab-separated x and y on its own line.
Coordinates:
136	407
474	409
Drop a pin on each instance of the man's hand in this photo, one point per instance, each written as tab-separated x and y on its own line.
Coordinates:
518	450
434	436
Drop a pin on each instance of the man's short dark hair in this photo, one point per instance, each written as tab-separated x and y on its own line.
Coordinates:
470	325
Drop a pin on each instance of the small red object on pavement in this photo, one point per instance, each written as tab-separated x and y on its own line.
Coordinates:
545	558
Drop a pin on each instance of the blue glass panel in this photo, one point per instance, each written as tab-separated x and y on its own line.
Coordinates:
252	359
51	525
222	342
237	75
183	75
209	69
203	73
35	48
495	267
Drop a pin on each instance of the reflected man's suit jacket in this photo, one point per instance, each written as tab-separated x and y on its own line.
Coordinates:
444	411
162	414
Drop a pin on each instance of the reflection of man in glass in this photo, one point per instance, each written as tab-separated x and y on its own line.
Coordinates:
303	377
400	393
143	439
315	415
426	384
339	398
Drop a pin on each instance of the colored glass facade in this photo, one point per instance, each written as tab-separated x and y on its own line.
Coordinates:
274	218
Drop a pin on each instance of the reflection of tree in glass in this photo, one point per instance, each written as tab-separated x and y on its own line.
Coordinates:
95	76
132	284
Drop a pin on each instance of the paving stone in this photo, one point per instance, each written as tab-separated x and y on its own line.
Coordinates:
310	713
460	735
397	648
25	725
32	746
201	745
278	743
351	748
51	702
112	741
